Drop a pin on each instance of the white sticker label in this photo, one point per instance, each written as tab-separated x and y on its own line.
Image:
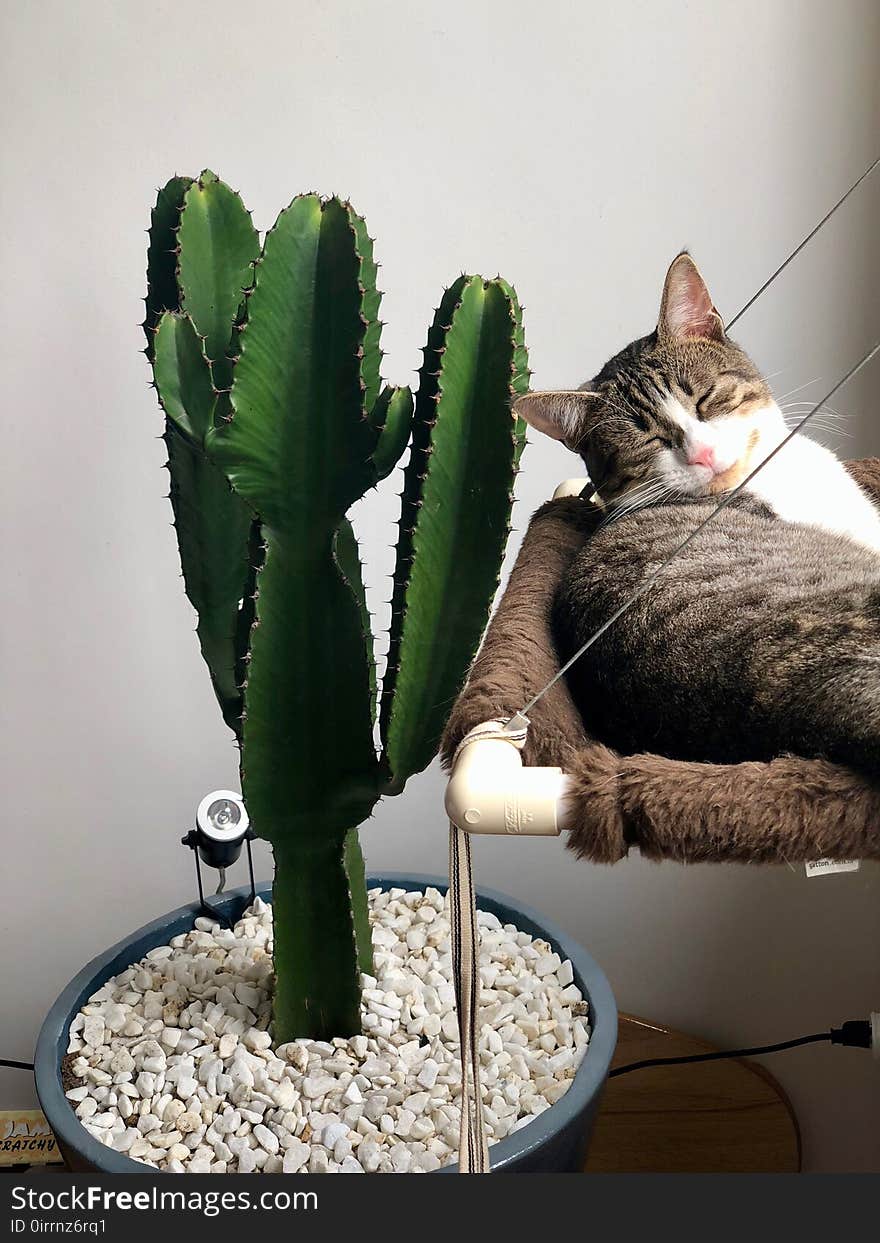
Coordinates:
827	867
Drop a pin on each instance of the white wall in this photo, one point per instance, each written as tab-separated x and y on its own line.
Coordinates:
574	147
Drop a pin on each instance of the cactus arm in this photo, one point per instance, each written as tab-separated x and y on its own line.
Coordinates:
297	449
162	291
392	415
212	533
423	421
183	377
201	246
218	245
371	359
298	445
521	371
212	523
454	519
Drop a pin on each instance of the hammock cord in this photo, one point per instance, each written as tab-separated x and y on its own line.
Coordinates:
797	250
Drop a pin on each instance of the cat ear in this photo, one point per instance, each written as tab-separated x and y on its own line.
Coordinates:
687	309
561	415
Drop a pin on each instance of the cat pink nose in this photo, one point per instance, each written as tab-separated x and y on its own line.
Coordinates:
702	455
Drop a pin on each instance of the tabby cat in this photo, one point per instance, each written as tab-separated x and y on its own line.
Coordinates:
763	637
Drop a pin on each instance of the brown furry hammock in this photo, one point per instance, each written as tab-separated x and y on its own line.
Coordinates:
786	811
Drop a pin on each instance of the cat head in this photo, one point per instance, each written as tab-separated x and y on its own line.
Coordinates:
679	412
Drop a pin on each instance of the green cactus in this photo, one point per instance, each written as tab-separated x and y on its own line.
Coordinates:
267	363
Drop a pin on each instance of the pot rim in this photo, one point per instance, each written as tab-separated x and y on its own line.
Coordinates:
587	1083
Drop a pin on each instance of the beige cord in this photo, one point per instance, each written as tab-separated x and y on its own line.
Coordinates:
473	1149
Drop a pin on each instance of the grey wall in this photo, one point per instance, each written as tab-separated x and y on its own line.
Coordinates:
575	147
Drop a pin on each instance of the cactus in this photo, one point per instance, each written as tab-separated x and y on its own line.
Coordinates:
267	363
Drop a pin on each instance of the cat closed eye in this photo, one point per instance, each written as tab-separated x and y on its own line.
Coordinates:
721	406
702	402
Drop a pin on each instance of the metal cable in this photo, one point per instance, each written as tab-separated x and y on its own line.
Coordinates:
797	250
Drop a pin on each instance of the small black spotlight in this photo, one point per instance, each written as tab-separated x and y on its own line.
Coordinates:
222	827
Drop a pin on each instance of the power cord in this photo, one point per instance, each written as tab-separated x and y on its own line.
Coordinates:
16	1065
856	1034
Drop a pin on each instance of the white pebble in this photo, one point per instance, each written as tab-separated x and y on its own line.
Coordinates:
94	1030
187	1086
295	1157
315	1086
267	1139
352	1094
247	1161
226	1048
115	1017
427	1076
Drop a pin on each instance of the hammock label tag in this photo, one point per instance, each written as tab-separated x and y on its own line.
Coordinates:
827	867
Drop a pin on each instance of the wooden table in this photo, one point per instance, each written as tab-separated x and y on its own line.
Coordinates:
715	1117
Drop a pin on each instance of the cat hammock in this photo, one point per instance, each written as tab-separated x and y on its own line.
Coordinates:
546	774
787	810
541	773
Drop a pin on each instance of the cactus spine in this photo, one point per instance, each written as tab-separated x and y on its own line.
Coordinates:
267	362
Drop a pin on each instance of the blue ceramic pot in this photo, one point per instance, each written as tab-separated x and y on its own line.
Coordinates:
556	1141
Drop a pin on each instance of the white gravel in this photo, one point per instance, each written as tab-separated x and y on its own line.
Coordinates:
179	1070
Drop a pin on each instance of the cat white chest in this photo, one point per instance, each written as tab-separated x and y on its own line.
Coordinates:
805	482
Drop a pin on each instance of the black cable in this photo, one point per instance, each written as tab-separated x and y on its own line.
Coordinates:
16	1065
856	1034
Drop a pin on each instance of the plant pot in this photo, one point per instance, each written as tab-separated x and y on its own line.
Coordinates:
556	1141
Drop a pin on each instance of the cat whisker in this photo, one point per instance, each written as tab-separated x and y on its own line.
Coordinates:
829	428
833	431
625	414
808	405
772	374
649	493
824	416
625	409
799	389
626	506
611	418
647	486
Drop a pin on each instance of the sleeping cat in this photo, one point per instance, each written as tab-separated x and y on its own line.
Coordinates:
763	636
